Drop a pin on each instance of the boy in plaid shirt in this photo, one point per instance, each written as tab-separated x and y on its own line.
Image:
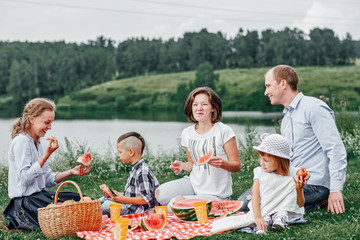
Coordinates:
139	194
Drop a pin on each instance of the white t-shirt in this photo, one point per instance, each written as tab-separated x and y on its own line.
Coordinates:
265	181
206	179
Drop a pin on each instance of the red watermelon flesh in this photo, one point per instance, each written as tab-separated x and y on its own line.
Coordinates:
224	208
188	203
85	159
154	221
206	158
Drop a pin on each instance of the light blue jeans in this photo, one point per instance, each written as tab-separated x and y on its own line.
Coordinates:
105	207
168	191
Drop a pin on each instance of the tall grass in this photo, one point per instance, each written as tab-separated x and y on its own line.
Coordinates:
107	168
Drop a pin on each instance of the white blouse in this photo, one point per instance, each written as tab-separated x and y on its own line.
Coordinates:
25	174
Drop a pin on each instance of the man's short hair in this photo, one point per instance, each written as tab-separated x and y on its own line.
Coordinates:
286	72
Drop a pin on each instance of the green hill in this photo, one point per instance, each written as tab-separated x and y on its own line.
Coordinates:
240	90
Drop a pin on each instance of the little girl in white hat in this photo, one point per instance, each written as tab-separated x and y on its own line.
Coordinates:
274	159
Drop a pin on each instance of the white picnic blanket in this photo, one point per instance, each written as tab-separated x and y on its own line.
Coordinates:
277	193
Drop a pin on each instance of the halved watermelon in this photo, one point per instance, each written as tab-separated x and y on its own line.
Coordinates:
185	210
85	159
224	208
153	221
206	158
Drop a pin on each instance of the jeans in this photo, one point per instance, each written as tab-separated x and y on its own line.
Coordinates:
105	207
168	191
313	196
245	197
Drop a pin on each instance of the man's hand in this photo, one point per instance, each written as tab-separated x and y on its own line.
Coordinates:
336	203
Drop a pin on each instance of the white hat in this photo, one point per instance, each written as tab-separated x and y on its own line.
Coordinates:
274	144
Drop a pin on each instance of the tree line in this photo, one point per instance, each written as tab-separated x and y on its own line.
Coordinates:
53	69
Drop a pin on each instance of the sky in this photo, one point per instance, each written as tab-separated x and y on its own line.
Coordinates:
83	20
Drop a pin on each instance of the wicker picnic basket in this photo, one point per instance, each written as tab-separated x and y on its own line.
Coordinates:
57	221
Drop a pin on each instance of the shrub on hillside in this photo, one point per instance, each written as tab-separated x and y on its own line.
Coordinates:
82	96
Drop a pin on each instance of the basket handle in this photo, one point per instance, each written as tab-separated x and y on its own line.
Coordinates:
66	182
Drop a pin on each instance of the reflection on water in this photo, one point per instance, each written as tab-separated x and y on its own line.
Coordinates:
161	130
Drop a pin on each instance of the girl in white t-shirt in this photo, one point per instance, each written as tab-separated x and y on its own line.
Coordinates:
274	154
213	179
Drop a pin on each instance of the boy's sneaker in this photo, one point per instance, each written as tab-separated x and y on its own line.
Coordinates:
279	224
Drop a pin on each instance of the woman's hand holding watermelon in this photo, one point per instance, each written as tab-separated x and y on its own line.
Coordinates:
216	162
80	170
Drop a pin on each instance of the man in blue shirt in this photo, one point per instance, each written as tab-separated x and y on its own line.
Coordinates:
309	126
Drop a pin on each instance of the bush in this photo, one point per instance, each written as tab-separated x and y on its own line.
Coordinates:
82	96
104	99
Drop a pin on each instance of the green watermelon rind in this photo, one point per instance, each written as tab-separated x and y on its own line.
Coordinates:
188	214
212	215
145	227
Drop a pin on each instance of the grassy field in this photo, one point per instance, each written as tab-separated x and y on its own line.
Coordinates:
244	89
109	170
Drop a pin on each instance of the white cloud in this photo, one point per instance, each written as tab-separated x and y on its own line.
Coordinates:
337	19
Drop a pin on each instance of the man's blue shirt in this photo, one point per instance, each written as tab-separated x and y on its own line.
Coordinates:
315	143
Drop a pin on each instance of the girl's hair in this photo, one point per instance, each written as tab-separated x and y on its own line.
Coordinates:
284	163
33	108
214	100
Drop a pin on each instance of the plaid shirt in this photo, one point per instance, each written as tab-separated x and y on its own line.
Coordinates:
141	182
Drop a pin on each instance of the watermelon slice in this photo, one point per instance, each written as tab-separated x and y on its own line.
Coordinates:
85	159
224	208
153	221
185	210
206	158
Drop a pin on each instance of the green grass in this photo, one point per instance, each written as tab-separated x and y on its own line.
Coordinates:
108	169
245	88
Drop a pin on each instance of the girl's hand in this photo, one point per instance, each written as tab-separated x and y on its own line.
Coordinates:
216	162
53	145
260	223
80	170
176	166
299	184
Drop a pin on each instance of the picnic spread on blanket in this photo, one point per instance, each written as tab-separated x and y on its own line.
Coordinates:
175	228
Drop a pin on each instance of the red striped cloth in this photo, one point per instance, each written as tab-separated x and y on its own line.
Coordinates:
174	228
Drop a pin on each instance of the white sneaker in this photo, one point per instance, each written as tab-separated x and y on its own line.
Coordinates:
279	224
260	232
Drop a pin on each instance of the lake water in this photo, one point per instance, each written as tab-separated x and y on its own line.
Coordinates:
101	134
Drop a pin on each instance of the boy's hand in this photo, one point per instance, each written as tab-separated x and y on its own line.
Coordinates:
260	223
118	198
299	183
106	193
176	166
